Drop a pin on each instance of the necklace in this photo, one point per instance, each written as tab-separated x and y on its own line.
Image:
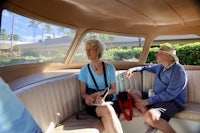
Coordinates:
98	67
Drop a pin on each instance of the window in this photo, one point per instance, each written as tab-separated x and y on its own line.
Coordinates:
25	40
116	48
187	48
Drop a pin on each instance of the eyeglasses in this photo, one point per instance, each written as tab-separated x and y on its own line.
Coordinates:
89	49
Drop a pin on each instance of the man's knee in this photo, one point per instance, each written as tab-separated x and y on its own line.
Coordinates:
148	118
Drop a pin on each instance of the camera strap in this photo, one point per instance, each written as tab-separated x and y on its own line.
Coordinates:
106	83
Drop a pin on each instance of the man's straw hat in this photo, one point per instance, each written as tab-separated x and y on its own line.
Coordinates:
169	50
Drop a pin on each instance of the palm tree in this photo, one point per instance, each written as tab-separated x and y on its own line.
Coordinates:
62	30
41	27
34	24
48	28
13	23
71	33
4	34
15	37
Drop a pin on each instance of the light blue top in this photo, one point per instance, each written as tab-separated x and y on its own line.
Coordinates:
85	76
15	118
169	83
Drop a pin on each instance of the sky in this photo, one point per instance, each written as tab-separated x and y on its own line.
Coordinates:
22	29
26	33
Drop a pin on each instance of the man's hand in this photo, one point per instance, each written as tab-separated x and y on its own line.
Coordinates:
129	73
141	105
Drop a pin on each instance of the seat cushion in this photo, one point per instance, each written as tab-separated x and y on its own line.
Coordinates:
15	118
80	123
191	112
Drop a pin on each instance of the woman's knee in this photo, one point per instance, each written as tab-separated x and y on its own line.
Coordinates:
106	110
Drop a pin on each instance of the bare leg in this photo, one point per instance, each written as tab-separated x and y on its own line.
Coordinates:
135	95
109	119
160	124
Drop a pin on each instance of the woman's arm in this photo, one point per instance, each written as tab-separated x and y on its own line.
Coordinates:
112	89
93	98
89	99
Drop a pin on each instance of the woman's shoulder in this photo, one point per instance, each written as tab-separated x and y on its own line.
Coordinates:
84	68
110	66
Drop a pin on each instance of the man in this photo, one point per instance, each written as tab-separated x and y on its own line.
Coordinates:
169	91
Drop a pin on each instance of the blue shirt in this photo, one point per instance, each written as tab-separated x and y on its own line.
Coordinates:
85	76
169	83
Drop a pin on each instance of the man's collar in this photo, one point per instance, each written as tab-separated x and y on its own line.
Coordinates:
165	68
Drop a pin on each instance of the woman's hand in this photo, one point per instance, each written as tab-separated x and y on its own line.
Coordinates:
99	100
89	99
98	93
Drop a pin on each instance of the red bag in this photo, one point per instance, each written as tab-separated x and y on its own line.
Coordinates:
125	102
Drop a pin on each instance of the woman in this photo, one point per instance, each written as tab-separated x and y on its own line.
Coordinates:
92	94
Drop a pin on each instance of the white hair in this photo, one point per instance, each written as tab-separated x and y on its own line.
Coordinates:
96	43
